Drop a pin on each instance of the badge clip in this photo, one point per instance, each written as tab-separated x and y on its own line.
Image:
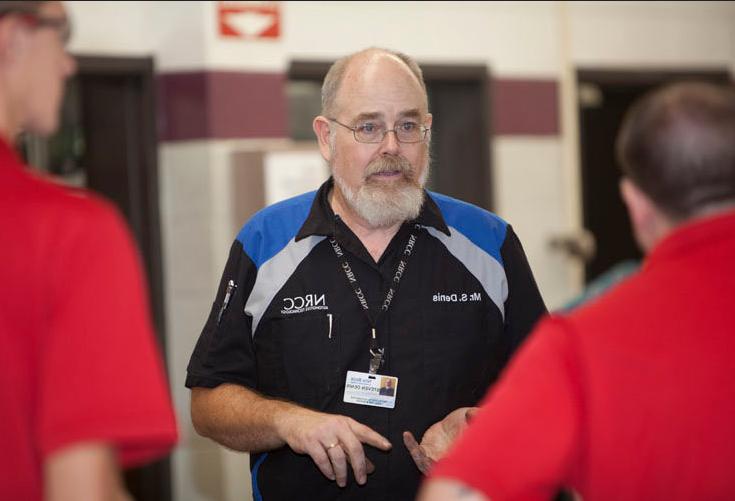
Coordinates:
376	354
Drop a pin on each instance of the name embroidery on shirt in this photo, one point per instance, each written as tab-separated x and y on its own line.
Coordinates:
457	297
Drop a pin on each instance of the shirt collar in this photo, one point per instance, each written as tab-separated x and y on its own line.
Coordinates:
321	220
692	235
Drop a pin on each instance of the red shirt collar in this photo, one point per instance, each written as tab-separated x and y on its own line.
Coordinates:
8	155
694	234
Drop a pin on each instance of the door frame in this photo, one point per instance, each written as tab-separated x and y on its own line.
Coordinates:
151	482
625	77
147	182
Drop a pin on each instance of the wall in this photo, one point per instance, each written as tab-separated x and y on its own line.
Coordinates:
221	97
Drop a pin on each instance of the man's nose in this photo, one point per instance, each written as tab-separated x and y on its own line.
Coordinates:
69	65
390	144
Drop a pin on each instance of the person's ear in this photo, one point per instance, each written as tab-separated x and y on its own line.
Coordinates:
321	129
642	212
631	197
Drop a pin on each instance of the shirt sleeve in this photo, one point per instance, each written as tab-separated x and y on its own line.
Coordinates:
101	374
524	305
522	444
224	352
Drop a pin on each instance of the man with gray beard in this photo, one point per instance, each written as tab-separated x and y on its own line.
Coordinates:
371	277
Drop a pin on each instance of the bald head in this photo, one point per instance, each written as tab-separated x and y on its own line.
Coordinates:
354	65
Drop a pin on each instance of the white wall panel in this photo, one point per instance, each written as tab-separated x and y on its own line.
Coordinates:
528	194
653	34
511	37
172	32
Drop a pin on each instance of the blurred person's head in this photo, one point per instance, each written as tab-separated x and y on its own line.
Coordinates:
677	151
34	65
374	134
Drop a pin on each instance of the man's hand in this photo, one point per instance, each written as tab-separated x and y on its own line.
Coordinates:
332	441
441	489
438	438
84	470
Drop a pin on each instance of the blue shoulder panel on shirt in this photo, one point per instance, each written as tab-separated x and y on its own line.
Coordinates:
483	228
270	229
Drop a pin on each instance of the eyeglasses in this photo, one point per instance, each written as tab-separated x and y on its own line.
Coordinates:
374	132
60	24
36	21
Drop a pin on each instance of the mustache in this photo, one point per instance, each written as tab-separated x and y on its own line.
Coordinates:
390	163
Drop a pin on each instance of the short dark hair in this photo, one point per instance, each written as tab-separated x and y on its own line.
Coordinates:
677	145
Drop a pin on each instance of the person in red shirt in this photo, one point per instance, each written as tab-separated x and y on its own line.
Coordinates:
83	391
632	396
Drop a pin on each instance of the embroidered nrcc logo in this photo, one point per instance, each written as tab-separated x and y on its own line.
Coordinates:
301	304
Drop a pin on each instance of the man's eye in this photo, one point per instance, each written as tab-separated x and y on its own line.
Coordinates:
367	128
408	126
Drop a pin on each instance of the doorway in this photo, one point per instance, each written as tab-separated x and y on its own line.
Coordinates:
107	142
604	98
460	104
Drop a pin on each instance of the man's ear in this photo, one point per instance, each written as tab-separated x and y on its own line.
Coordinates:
644	216
321	129
429	119
633	199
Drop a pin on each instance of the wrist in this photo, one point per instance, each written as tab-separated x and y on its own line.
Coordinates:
286	417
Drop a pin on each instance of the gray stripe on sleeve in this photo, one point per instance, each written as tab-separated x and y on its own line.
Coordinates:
488	271
274	273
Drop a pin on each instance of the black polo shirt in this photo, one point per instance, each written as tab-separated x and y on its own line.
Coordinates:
293	326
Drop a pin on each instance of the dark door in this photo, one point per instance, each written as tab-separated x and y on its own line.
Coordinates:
604	99
107	143
458	100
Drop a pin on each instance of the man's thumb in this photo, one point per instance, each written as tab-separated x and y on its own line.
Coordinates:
471	413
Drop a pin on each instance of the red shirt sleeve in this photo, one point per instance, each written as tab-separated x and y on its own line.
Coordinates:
101	375
522	443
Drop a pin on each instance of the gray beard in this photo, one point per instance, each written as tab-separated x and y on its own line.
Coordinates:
383	205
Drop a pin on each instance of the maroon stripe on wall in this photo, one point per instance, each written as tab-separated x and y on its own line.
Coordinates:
182	106
525	107
221	105
230	105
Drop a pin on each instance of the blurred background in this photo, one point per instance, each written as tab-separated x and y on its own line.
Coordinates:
193	115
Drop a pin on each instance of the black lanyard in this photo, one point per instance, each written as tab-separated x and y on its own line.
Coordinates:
376	351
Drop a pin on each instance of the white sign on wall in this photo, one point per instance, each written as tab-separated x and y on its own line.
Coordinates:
291	173
249	20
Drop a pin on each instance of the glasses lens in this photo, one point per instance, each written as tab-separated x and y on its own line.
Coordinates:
406	132
369	132
61	25
409	132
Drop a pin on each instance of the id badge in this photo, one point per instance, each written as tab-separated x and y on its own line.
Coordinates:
363	388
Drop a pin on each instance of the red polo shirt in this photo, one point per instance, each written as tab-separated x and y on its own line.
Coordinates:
78	360
632	397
